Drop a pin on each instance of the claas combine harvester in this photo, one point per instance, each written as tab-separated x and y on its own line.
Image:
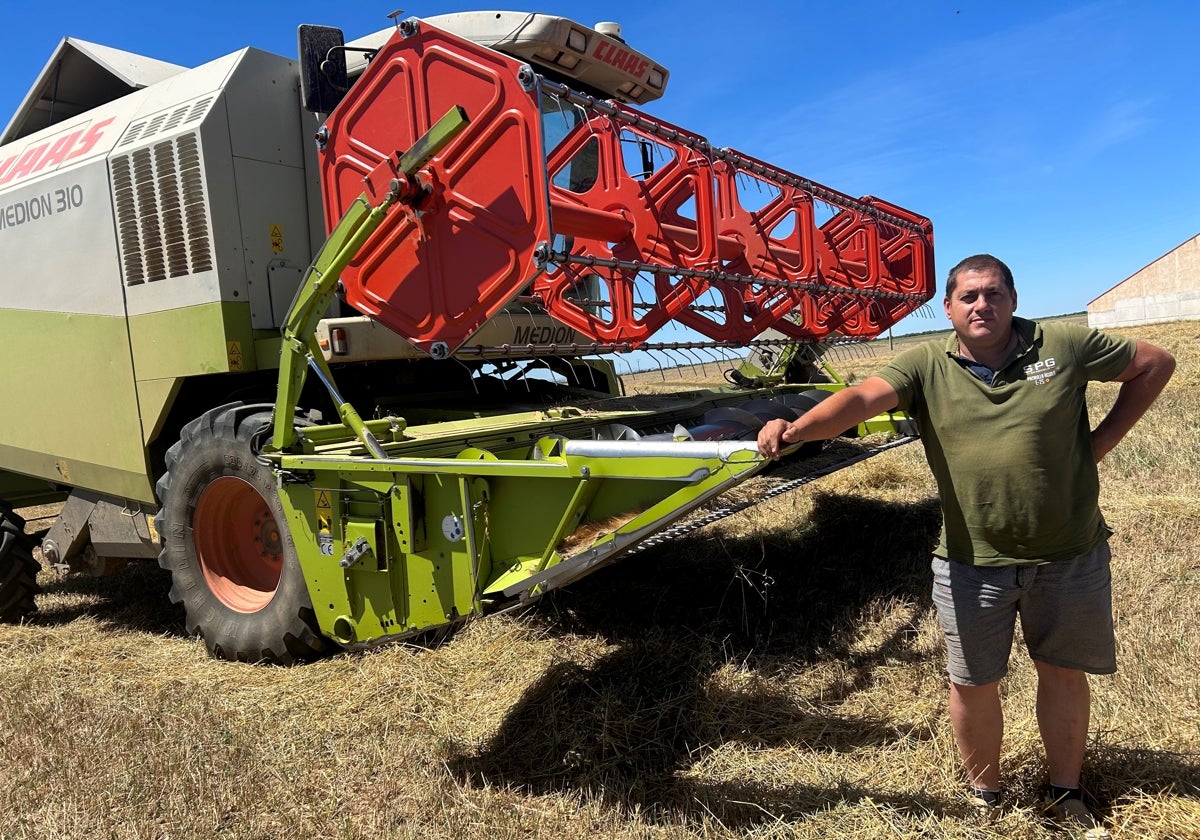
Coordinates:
333	338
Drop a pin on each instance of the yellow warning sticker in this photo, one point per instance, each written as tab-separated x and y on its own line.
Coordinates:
324	512
150	525
276	239
234	350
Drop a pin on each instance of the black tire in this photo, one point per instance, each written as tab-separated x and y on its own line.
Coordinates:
233	568
18	569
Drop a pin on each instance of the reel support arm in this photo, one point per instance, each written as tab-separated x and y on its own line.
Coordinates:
320	283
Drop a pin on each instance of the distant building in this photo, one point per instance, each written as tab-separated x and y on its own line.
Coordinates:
1166	290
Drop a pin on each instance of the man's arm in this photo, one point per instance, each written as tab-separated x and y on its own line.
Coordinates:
830	417
1141	382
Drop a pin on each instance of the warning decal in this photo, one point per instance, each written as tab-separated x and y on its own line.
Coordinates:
324	522
324	512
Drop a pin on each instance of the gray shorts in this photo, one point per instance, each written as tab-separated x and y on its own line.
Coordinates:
1065	609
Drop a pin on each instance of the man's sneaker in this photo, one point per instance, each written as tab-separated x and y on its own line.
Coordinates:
1074	816
986	804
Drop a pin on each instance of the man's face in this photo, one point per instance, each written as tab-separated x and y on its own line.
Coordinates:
981	307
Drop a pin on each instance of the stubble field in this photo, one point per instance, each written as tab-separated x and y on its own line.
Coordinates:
777	674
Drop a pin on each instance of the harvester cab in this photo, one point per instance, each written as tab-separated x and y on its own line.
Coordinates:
490	201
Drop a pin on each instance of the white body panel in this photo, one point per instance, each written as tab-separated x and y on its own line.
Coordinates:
56	219
188	192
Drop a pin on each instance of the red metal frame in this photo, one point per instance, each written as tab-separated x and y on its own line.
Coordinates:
855	275
437	271
618	255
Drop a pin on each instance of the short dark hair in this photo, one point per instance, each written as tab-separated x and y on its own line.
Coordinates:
981	263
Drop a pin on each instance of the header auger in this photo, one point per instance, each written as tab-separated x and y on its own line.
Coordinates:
487	199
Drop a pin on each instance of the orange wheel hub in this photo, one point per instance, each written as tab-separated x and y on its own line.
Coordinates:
238	544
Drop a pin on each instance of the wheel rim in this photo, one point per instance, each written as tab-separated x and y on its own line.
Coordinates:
238	544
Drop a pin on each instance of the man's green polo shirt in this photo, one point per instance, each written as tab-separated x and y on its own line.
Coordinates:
1013	460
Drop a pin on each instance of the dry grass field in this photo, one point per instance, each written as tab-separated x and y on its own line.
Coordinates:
775	675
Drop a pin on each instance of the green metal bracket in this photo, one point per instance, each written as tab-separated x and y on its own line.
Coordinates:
300	353
890	423
750	375
830	372
466	534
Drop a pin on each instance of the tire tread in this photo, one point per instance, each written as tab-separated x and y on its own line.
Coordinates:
280	634
18	569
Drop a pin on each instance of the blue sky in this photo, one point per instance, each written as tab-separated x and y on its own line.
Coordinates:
1062	137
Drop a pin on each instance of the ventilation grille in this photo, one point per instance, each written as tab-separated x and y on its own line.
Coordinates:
161	211
164	121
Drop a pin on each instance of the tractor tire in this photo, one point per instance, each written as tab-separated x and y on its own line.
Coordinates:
233	565
18	569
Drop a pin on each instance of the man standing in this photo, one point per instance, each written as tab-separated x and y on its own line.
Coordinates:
1002	414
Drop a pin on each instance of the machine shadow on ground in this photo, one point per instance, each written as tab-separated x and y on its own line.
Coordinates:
133	598
628	726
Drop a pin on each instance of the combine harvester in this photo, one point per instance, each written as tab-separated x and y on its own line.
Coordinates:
440	235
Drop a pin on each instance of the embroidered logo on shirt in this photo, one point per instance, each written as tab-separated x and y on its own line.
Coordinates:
1039	373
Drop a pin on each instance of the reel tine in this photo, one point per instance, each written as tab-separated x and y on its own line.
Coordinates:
678	366
674	355
592	370
547	365
470	373
570	374
716	355
661	372
621	357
